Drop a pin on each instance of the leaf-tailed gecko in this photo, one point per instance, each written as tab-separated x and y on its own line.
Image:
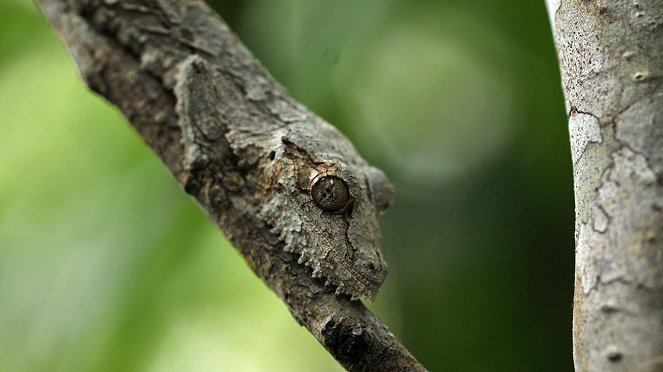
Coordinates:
298	175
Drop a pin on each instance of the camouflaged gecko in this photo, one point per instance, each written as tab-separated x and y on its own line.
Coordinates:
299	175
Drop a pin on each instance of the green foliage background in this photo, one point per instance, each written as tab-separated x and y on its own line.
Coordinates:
106	265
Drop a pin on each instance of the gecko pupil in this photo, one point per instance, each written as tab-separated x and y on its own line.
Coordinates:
330	193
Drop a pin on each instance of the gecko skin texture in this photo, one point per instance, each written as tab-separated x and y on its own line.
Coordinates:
281	157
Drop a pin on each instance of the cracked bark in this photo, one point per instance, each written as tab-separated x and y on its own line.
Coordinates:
131	51
611	62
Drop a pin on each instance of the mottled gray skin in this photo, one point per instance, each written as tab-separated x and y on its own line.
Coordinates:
283	161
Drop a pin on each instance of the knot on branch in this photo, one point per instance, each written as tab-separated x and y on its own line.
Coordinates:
345	338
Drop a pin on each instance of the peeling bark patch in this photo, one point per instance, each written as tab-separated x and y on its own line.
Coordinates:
601	220
583	129
642	129
625	199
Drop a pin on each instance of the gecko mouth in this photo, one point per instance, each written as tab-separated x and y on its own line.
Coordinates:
346	280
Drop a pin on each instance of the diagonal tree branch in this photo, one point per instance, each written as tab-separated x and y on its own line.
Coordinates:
157	61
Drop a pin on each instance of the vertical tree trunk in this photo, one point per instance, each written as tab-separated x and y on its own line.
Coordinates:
611	60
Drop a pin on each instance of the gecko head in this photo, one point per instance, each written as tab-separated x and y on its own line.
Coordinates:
326	204
345	204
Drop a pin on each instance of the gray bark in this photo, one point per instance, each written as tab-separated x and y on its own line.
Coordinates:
611	61
252	157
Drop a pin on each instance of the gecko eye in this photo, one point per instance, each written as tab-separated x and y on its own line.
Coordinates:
330	193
